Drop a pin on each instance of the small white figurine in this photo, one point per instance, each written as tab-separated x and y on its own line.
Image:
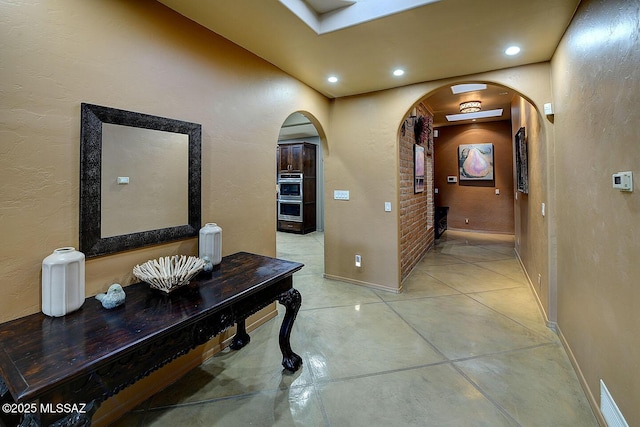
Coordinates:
113	298
208	266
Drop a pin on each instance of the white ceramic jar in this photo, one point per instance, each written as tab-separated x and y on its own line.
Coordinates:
210	243
62	282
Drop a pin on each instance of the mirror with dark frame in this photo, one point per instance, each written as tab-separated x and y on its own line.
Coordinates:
139	180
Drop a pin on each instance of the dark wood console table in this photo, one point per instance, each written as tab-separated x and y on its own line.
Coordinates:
57	371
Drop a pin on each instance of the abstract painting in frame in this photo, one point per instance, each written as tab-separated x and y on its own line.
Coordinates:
475	162
418	168
522	162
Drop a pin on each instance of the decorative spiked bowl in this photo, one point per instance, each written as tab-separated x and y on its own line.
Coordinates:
169	273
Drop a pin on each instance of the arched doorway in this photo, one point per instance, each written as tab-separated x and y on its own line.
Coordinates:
481	199
495	204
301	129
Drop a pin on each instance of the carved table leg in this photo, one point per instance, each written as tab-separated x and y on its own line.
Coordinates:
292	301
241	338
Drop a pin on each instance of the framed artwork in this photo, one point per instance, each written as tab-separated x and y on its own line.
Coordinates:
418	168
475	162
522	162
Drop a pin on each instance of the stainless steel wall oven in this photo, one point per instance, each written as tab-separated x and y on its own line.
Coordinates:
290	210
290	186
290	197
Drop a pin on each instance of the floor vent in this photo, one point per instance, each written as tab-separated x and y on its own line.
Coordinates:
609	409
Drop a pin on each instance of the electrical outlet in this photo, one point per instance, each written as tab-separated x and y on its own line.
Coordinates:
539	279
466	220
358	261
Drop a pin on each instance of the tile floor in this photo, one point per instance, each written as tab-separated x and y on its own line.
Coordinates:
463	345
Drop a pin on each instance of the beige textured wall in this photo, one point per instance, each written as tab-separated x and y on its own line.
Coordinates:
476	200
362	157
596	84
143	57
531	228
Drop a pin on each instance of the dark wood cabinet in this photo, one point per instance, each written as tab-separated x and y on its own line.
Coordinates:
290	157
299	157
441	220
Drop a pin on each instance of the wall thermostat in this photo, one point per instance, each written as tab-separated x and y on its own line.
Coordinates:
623	181
452	179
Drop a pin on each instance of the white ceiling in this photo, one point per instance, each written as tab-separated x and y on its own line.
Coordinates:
441	39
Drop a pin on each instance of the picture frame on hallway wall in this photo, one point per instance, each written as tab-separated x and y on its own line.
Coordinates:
522	161
418	168
475	162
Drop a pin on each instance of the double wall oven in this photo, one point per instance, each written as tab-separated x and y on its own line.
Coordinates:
290	197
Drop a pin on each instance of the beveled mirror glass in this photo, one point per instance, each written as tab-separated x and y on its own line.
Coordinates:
139	180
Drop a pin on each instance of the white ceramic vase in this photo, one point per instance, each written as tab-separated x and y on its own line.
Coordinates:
62	282
210	243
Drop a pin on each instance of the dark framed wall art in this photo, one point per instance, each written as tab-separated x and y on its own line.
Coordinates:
522	162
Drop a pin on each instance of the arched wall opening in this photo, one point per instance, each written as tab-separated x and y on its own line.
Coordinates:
485	199
303	130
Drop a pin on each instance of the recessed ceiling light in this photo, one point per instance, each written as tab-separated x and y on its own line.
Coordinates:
512	50
399	72
332	79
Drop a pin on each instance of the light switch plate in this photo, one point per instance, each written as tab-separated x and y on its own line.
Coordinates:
387	206
341	194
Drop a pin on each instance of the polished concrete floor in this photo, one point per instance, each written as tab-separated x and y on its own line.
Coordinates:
463	345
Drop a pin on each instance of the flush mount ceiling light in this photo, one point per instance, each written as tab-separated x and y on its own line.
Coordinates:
470	107
398	72
332	79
